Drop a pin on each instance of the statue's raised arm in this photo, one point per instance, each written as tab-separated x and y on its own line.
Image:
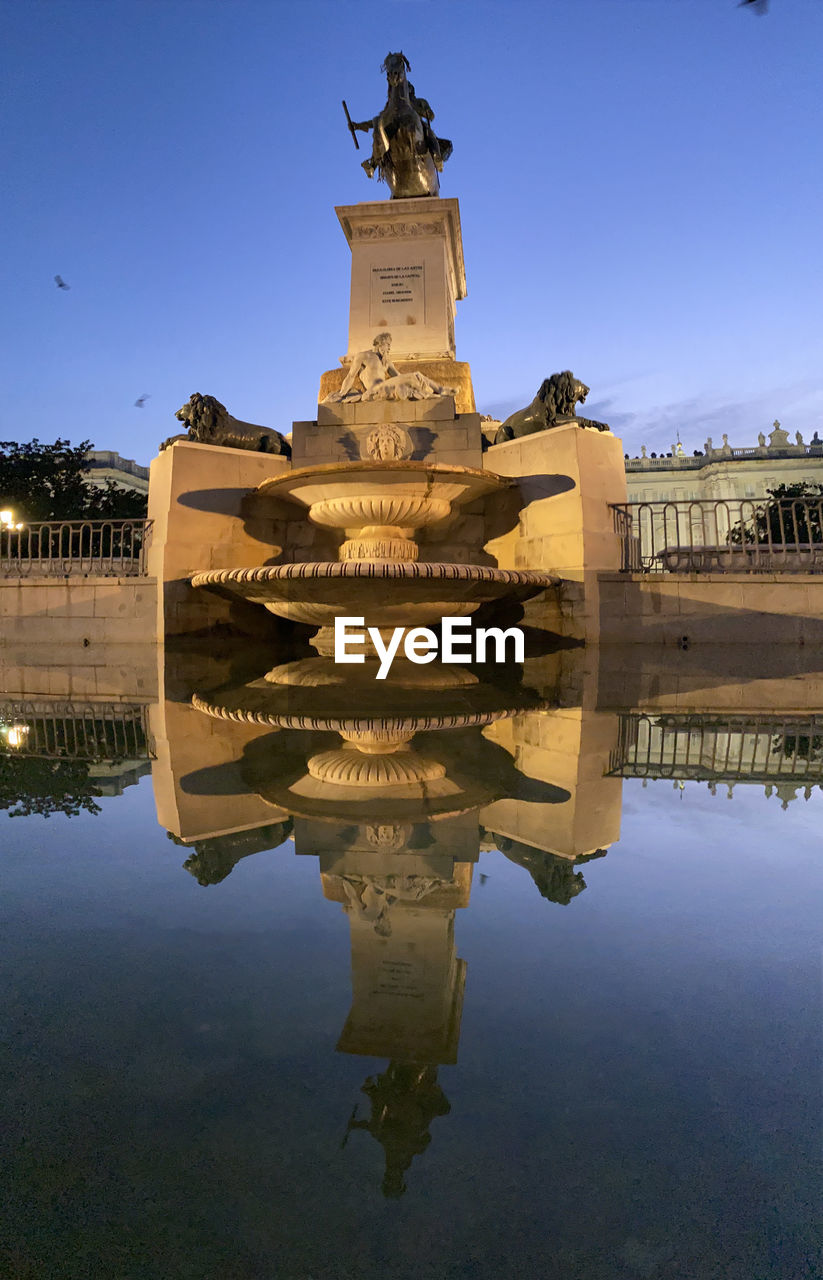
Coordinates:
406	152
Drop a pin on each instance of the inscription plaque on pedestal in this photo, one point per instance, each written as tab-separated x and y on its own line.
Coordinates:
397	295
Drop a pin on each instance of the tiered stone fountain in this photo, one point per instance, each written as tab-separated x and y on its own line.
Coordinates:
379	505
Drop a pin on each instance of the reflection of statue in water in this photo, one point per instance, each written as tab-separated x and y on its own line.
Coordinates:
404	1101
216	857
406	152
381	380
372	897
555	877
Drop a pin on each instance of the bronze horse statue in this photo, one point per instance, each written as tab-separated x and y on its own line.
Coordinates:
406	152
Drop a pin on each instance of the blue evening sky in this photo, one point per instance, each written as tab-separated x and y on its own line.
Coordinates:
639	182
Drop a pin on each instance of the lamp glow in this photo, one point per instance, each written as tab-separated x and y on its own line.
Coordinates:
15	734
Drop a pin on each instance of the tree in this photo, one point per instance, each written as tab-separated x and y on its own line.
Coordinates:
48	482
29	785
792	514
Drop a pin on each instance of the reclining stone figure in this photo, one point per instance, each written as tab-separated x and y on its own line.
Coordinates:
372	376
209	422
553	406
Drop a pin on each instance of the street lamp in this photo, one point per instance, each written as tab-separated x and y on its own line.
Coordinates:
7	519
15	734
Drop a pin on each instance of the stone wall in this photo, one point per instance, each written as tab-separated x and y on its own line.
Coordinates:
722	608
84	612
31	668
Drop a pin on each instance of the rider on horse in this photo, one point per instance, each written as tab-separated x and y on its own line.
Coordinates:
403	112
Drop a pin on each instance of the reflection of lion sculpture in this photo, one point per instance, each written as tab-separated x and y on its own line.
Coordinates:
553	406
209	422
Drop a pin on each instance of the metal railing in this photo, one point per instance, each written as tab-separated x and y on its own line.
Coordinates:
75	731
712	748
722	535
76	548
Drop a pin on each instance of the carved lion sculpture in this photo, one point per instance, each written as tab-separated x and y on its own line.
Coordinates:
209	422
551	407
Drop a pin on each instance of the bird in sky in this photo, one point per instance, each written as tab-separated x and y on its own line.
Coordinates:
759	6
60	282
140	401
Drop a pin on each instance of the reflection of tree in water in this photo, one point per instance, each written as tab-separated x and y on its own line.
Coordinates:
29	785
404	1101
799	746
555	877
215	858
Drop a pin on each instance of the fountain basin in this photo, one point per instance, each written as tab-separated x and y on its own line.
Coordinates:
384	593
380	505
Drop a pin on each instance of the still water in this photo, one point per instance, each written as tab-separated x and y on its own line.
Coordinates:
328	1047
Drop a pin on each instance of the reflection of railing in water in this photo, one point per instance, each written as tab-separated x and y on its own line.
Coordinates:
76	731
761	748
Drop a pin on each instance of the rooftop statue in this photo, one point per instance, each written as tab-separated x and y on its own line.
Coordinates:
406	152
209	422
553	406
372	376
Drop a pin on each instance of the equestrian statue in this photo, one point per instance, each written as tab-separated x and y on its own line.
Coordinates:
406	152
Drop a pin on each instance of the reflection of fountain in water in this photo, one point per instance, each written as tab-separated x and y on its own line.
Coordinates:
374	752
385	782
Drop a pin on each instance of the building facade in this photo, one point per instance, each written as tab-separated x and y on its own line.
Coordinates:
105	465
725	473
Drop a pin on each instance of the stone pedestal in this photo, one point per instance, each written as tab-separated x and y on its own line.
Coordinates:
198	788
407	276
568	748
407	989
438	434
567	477
199	506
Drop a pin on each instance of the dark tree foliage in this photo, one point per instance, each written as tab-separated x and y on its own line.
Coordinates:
803	746
48	482
30	784
791	513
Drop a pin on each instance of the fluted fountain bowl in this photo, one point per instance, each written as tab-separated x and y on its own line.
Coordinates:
384	594
381	504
